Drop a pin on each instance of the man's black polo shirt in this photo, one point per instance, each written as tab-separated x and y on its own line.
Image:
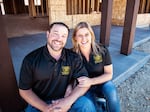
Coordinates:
47	77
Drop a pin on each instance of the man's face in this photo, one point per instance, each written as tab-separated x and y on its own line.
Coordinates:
57	37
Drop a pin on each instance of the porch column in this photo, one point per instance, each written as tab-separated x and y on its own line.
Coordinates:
10	101
129	26
106	21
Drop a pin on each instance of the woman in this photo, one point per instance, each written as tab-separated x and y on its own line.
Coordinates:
97	61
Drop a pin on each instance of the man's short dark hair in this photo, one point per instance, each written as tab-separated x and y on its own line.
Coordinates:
57	23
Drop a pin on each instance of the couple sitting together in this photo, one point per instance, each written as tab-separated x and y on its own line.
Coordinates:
56	79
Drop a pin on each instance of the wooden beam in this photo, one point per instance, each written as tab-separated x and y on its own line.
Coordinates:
129	26
72	7
14	7
34	14
97	5
32	9
75	7
80	6
84	7
42	8
47	7
10	101
106	21
92	5
68	7
87	7
29	8
148	6
143	6
37	9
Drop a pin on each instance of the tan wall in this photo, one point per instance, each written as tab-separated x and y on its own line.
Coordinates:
119	8
143	20
118	14
57	12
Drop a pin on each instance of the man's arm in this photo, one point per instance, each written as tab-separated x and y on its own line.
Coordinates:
30	97
66	103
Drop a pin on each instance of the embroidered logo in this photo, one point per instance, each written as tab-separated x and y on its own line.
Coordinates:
97	58
65	70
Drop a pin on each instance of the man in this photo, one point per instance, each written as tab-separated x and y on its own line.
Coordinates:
46	73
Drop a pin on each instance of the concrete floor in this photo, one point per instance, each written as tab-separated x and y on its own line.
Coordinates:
30	35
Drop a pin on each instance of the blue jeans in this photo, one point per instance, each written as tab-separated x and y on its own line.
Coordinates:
109	92
82	104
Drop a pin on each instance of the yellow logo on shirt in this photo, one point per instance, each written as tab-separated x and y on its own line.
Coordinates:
65	70
97	58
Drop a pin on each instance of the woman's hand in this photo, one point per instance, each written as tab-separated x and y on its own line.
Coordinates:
84	82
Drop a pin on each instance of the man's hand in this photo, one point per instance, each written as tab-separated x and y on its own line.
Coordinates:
62	105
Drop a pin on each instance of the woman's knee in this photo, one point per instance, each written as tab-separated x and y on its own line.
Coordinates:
84	104
109	88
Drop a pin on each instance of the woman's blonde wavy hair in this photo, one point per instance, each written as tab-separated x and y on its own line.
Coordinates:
94	46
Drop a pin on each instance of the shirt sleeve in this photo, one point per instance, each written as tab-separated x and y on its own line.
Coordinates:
79	69
107	56
25	80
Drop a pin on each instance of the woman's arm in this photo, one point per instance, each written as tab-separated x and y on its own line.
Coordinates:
108	74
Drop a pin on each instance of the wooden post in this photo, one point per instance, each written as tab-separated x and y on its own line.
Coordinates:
10	101
106	21
14	7
129	26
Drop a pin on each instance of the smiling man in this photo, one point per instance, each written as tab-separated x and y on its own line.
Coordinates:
46	73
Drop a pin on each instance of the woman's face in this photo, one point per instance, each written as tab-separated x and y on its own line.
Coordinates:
83	37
